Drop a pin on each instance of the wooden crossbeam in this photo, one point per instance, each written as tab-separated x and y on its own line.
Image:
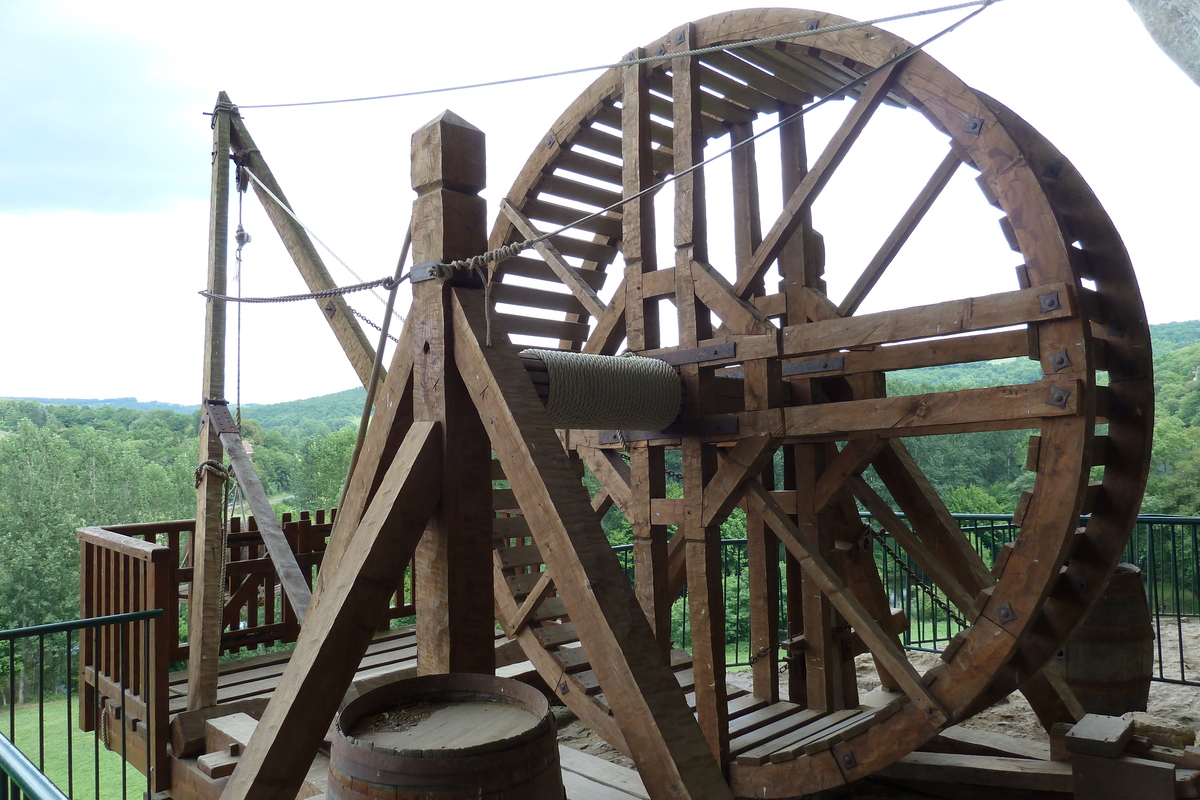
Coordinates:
565	272
920	322
340	624
810	187
882	646
646	700
738	315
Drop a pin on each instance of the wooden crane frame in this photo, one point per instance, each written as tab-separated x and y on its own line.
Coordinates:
763	371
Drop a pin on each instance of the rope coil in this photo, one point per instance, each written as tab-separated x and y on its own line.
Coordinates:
591	392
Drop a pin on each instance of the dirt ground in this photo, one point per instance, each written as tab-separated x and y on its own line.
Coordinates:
1013	716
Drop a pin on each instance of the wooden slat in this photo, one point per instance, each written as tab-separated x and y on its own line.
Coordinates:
555	214
545	328
537	269
515	295
579	192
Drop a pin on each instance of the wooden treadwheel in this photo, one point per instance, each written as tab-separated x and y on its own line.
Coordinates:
768	366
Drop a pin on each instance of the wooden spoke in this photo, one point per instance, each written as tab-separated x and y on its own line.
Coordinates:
847	604
612	471
808	190
926	558
637	217
940	319
537	594
747	219
584	293
899	235
714	291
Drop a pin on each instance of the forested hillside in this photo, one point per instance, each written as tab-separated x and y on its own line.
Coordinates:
94	462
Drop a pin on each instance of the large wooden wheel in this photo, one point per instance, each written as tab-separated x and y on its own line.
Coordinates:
769	361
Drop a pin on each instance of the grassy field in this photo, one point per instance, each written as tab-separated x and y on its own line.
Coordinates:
58	760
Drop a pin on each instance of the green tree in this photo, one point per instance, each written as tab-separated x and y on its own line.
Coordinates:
321	469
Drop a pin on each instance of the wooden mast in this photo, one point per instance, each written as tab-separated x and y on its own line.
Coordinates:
206	600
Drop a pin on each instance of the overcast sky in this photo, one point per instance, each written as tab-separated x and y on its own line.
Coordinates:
104	157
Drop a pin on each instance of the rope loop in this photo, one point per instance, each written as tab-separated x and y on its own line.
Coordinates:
222	471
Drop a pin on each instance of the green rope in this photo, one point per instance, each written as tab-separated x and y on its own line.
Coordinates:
591	392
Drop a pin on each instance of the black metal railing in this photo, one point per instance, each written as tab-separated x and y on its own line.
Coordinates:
43	662
1167	549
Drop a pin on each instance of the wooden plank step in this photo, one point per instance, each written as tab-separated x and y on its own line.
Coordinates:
583	193
829	727
554	214
597	770
546	328
526	297
763	716
762	753
524	555
535	268
556	634
779	726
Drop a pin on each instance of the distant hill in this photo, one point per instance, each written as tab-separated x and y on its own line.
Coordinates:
1170	336
114	402
335	410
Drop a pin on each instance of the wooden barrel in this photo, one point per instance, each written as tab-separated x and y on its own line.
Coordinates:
447	737
1109	660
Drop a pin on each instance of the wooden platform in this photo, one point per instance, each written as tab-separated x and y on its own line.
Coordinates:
392	656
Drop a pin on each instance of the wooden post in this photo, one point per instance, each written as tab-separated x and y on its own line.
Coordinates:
454	559
206	599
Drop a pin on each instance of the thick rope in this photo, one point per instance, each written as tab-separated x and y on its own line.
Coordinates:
591	392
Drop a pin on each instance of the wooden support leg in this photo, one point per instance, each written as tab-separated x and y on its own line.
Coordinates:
647	702
340	624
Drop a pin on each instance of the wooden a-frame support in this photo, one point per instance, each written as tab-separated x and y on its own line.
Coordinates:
445	383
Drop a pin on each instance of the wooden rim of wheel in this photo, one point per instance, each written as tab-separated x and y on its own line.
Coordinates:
1086	318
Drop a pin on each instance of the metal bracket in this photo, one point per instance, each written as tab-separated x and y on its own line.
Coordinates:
697	355
329	309
1060	360
812	24
835	364
1005	614
848	760
1049	302
1059	397
1052	171
973	125
713	426
218	412
429	271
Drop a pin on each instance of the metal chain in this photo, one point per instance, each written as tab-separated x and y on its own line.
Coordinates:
364	318
926	587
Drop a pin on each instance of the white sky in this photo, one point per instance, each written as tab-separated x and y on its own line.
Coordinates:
104	160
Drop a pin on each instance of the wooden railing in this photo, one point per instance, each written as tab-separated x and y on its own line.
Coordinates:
128	669
147	565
